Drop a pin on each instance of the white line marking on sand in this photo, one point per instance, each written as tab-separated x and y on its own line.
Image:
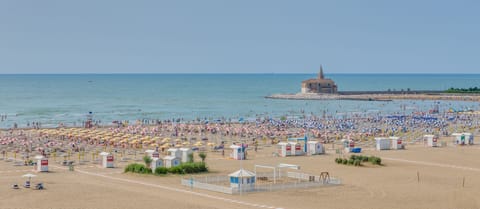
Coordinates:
434	164
176	190
11	171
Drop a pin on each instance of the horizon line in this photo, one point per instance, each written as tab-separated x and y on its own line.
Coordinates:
240	73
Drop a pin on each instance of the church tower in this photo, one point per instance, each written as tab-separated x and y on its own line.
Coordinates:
320	74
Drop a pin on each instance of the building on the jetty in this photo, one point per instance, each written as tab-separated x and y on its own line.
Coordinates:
319	85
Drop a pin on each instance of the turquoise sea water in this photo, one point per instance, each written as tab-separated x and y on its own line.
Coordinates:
54	99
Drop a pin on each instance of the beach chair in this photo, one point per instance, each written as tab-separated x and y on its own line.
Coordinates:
39	186
15	186
217	148
27	184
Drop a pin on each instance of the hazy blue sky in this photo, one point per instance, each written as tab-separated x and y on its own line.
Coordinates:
357	36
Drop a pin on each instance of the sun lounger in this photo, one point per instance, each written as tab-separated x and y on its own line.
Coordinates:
15	186
27	184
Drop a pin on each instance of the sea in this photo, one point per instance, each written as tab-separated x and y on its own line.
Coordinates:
68	99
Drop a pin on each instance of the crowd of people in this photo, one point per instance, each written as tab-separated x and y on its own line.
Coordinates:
323	128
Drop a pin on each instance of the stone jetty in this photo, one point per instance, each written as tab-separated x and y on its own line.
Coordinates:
377	96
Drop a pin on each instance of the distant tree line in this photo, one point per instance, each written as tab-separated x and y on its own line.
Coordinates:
463	90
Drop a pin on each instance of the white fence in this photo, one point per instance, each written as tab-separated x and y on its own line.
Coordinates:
301	176
222	184
211	187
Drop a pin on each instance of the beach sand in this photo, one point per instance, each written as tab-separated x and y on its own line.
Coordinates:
394	185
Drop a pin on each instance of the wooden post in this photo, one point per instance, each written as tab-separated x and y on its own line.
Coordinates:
418	177
463	183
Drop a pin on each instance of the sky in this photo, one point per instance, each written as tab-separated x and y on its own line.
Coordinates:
247	36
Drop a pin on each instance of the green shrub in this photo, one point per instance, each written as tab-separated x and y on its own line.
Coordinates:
202	156
357	162
377	161
202	167
361	157
188	168
180	169
194	167
129	168
350	162
147	170
353	157
147	160
176	170
139	168
190	157
161	170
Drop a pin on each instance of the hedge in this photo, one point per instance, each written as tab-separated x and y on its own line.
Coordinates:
161	170
184	168
357	160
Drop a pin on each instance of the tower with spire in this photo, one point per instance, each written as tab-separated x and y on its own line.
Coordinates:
320	74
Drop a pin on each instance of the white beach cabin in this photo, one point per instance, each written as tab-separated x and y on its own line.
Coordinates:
382	143
171	161
184	153
107	160
463	138
156	163
315	148
243	180
174	152
284	149
238	153
430	140
397	143
42	164
297	148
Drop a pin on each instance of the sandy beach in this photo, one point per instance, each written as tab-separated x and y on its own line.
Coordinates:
394	185
226	105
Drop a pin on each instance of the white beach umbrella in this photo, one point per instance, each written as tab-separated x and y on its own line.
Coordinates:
29	176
